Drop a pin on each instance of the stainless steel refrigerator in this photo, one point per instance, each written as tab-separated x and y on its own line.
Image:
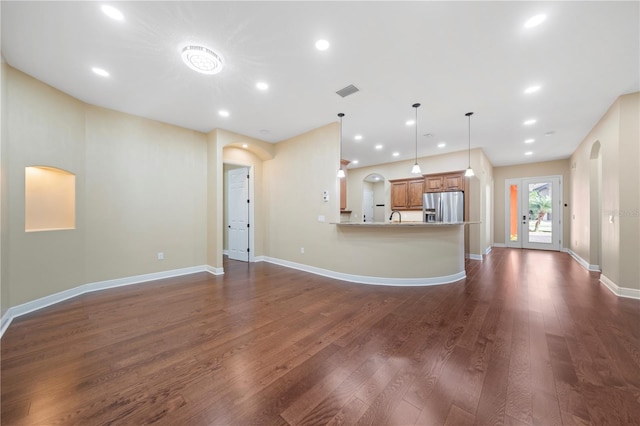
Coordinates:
447	207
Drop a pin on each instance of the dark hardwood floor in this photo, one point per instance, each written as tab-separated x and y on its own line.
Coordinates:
528	338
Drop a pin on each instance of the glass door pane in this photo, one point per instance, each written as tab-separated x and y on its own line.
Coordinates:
540	229
540	206
514	220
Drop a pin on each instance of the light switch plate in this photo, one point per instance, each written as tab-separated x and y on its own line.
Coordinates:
325	196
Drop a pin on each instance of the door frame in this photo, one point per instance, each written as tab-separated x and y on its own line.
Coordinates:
251	195
557	215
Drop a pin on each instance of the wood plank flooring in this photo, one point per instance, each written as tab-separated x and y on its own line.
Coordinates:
528	338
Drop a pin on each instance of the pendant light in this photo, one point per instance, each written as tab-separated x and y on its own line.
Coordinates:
416	167
469	171
341	170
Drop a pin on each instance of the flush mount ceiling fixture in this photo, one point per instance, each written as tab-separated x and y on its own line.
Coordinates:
202	60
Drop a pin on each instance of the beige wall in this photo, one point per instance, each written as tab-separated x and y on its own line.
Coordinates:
546	168
4	185
140	189
629	212
304	167
618	135
478	238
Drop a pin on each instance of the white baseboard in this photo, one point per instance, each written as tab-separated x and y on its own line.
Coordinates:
474	256
214	271
499	245
225	252
43	302
362	279
487	250
630	293
581	261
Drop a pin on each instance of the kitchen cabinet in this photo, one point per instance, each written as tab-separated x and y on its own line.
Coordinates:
444	182
433	183
406	194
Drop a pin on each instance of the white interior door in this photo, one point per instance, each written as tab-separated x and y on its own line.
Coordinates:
533	213
238	213
367	206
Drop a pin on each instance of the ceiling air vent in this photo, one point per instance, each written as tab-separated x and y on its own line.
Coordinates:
349	90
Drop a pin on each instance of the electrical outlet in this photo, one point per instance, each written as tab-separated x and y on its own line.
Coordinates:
160	255
321	218
301	250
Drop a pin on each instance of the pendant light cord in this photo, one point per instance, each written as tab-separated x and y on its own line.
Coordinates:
340	159
416	134
469	114
416	107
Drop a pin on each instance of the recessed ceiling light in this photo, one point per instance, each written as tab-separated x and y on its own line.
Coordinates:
396	154
378	147
223	113
410	122
528	153
202	60
264	131
535	21
530	122
261	85
529	141
442	145
355	162
100	72
358	137
112	12
549	133
322	44
244	145
531	89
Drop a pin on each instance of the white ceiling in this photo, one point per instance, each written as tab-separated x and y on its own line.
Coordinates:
452	57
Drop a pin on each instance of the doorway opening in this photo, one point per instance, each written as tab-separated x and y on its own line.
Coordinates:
373	196
533	210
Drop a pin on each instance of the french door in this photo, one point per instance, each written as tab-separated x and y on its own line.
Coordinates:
533	213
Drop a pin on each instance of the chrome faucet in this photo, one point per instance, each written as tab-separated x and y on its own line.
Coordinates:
399	216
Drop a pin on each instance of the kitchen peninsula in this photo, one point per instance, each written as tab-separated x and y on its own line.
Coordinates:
430	253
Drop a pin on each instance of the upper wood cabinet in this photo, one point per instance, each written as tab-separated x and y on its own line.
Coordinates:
454	181
406	194
444	182
433	183
415	189
399	194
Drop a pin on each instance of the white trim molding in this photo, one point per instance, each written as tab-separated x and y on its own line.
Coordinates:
631	293
362	279
473	256
214	271
499	245
487	250
52	299
581	261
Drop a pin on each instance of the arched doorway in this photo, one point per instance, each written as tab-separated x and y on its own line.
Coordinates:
373	197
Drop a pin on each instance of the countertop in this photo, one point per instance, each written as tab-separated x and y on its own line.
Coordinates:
396	224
